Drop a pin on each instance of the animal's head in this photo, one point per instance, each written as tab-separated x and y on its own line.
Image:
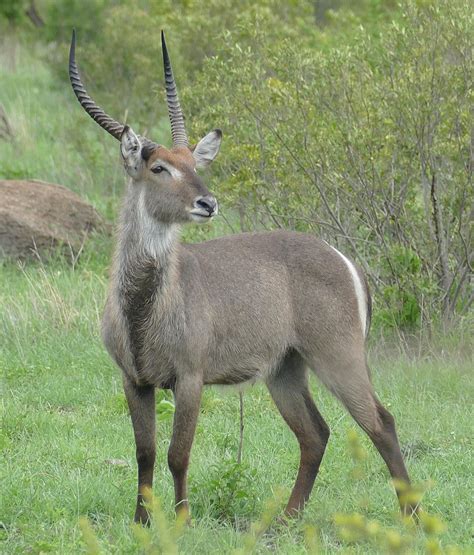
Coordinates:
174	192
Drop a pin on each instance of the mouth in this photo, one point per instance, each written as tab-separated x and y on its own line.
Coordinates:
200	215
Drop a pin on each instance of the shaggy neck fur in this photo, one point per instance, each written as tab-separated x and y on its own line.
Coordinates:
144	265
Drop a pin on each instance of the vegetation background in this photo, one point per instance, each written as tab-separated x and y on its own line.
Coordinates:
349	120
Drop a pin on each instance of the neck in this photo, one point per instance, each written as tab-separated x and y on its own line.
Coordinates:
144	267
143	241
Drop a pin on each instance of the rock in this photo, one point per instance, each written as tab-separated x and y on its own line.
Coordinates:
37	217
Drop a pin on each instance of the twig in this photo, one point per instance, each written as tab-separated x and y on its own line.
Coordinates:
241	442
5	127
441	246
35	17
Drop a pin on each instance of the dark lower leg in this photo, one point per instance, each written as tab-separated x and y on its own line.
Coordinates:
307	472
379	425
289	390
141	402
386	441
357	394
312	447
187	400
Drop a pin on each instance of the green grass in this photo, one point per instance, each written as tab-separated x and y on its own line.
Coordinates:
64	418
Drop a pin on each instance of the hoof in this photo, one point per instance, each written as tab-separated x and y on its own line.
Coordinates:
142	517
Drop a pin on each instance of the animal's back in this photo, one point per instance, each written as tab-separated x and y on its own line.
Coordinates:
277	267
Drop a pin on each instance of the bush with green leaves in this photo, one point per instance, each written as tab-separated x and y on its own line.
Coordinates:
119	50
13	11
226	493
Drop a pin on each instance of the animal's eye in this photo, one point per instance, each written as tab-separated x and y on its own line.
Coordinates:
157	169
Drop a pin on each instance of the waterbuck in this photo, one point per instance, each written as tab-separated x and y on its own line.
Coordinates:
250	306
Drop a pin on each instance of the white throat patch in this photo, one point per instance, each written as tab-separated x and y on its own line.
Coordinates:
157	238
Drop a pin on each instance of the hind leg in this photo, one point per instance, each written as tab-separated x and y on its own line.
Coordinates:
351	384
381	430
289	389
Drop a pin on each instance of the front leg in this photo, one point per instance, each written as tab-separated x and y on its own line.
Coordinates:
141	402
187	395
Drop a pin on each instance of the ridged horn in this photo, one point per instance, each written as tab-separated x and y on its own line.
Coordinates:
95	112
178	131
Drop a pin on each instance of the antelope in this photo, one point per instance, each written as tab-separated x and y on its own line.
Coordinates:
266	306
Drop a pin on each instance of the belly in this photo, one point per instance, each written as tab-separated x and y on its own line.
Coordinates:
242	357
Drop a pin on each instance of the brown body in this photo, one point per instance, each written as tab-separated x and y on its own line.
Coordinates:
264	306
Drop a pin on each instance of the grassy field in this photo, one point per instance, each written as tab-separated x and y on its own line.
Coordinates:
66	440
68	451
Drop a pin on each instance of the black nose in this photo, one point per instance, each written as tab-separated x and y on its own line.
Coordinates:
207	203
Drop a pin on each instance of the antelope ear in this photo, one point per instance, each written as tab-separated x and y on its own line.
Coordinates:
130	148
207	148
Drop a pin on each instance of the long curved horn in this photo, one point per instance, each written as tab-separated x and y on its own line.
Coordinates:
178	131
96	113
